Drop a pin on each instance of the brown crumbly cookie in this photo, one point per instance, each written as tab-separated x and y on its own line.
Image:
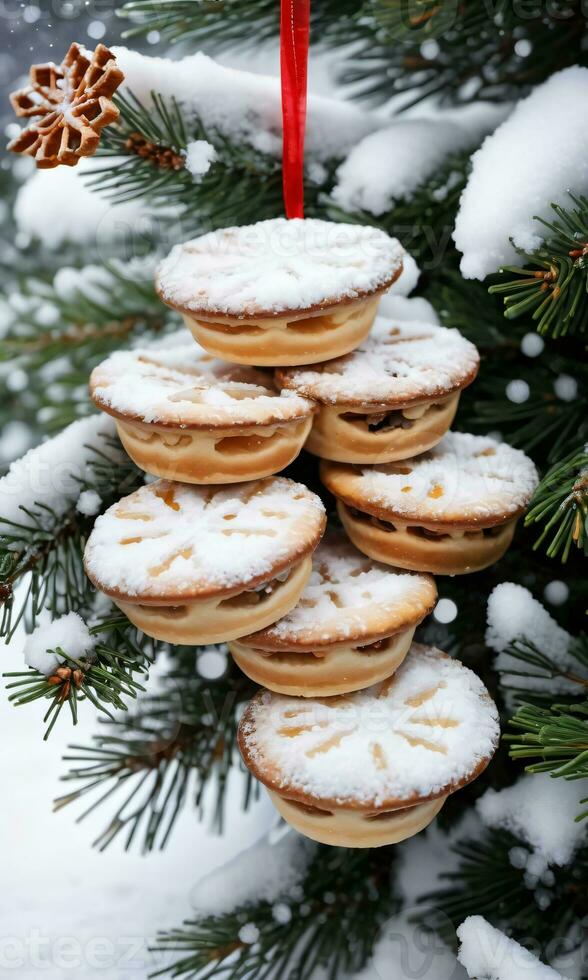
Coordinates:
280	292
352	626
449	511
200	565
373	767
393	397
184	415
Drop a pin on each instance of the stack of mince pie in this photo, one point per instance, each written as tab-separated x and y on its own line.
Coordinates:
358	733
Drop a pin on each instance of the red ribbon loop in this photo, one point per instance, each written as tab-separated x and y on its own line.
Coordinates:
294	40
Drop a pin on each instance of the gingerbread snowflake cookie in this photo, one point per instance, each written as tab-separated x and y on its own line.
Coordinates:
450	511
68	106
199	565
184	415
373	767
393	397
352	626
281	292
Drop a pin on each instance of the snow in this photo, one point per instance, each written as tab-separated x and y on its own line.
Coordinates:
57	206
408	949
175	540
278	265
89	503
488	954
406	308
200	155
268	871
68	632
520	169
420	734
241	105
391	163
540	810
105	908
47	479
514	614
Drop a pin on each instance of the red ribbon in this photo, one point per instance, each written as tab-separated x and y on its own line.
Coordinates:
294	39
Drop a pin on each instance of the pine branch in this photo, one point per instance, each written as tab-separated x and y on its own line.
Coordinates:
340	905
44	549
541	666
106	677
543	423
458	53
558	736
243	185
561	503
487	883
555	287
163	757
57	331
238	21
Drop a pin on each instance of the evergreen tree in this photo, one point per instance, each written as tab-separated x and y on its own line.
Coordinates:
155	753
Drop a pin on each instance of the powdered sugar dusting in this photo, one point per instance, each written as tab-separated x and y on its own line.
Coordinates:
350	596
419	734
172	540
278	265
396	364
463	476
186	386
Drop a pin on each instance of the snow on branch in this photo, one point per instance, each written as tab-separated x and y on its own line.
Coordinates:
539	810
533	159
42	486
391	163
241	105
487	954
269	870
69	633
519	626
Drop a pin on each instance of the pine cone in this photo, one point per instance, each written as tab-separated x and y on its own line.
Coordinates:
73	103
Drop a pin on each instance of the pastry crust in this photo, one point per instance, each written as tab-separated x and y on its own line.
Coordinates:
349	601
345	434
424	549
281	292
326	671
184	415
222	619
400	364
464	483
348	828
232	455
420	735
169	544
393	397
287	339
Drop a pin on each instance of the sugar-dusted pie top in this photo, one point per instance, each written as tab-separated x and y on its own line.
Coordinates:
170	541
464	480
185	386
278	266
349	598
422	733
398	364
